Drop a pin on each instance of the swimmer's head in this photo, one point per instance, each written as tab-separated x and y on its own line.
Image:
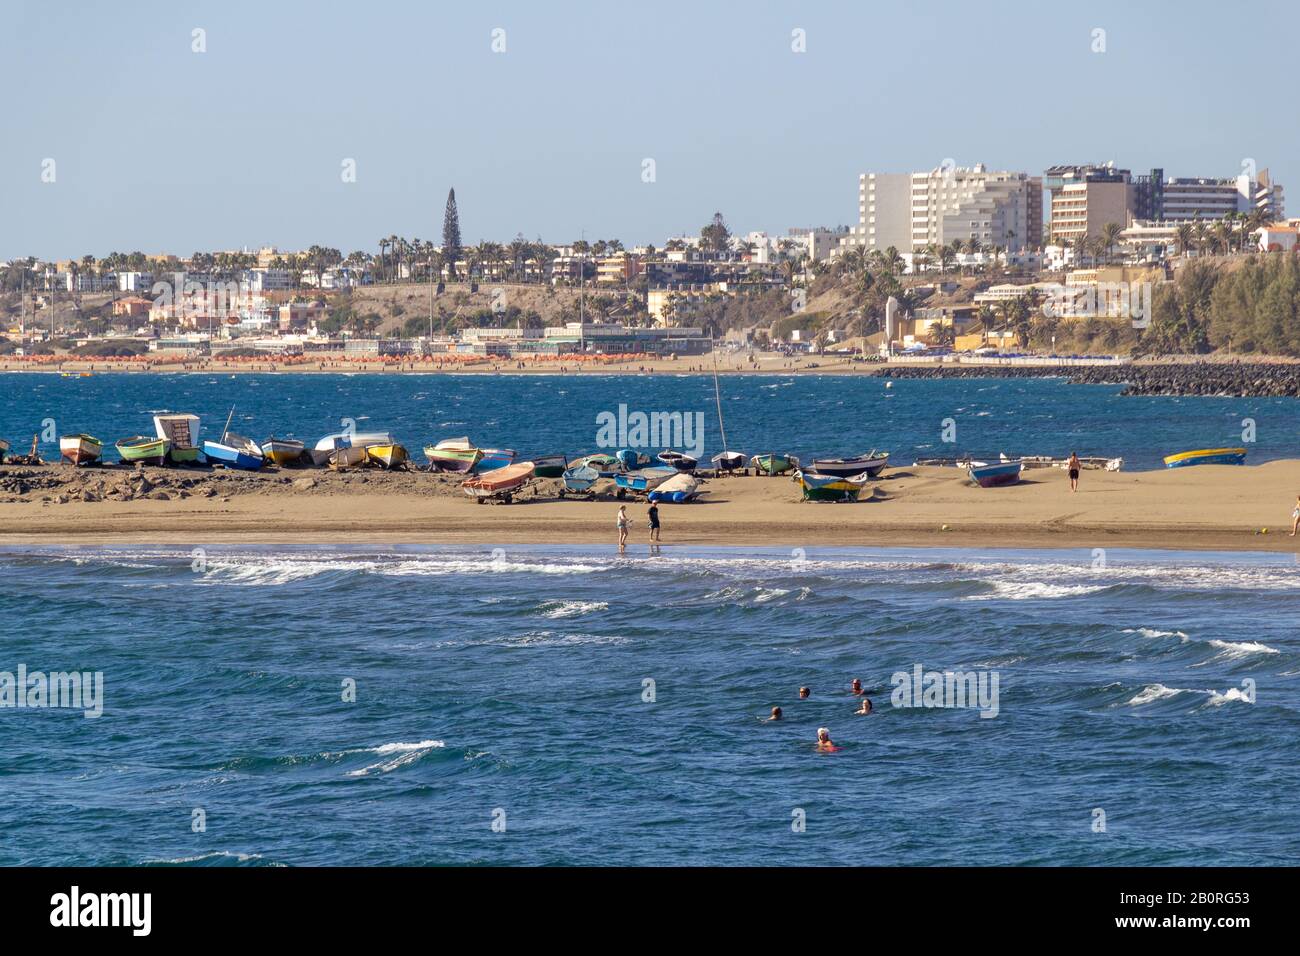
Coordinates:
866	705
823	733
776	713
803	693
857	686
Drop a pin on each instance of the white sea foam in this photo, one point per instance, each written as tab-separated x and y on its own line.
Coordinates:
552	639
1029	590
1154	633
562	609
214	855
1242	648
1155	692
407	753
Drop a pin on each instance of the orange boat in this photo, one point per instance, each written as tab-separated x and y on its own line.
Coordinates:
499	482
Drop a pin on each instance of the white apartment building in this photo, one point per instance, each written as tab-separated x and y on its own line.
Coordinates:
912	210
1191	199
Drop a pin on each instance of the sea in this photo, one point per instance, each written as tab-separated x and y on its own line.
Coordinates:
298	705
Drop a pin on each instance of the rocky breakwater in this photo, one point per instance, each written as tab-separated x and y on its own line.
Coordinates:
1237	379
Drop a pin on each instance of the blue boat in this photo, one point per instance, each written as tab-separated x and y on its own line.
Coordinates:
579	478
631	460
677	490
999	473
494	458
645	479
1207	456
234	451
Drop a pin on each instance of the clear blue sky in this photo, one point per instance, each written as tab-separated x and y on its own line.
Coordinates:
159	149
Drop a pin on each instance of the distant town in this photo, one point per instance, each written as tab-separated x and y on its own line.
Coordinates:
1084	259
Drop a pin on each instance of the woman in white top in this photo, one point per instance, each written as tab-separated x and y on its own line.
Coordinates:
622	527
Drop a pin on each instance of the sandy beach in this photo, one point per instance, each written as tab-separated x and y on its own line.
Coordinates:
1221	508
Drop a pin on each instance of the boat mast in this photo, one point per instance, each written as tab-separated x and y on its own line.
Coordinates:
227	428
717	395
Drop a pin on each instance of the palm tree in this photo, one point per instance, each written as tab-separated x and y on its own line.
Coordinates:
1185	236
988	320
1110	233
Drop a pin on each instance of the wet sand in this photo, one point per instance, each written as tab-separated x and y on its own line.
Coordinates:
1204	508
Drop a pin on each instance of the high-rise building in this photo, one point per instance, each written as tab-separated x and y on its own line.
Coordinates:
910	211
1085	198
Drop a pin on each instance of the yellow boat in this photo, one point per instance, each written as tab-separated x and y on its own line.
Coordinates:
282	451
1207	456
388	456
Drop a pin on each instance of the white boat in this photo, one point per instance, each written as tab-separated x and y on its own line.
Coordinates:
320	455
182	432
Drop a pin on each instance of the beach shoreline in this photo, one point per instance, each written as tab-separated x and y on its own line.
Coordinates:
1207	508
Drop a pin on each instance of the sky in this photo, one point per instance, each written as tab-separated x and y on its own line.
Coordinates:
159	148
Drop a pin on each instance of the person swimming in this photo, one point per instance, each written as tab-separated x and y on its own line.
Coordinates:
776	714
865	708
824	741
804	693
857	687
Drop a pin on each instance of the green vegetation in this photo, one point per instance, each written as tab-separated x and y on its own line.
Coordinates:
1254	307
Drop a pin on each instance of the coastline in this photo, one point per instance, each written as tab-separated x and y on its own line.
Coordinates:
1207	508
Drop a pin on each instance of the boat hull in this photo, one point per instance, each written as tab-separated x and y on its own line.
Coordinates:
1207	456
550	466
220	454
774	464
283	452
387	456
872	465
146	451
500	482
994	476
80	449
494	458
647	479
452	459
820	487
677	490
678	461
353	456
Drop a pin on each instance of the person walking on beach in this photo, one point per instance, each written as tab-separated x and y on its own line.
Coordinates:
653	515
1073	466
622	527
1295	516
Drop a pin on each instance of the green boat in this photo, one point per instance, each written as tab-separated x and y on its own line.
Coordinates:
143	449
550	466
831	487
774	464
453	454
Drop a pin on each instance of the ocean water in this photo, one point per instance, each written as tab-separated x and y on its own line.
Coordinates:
510	687
806	415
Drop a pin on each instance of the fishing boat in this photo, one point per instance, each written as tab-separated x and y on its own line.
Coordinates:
143	449
631	460
729	461
320	455
500	482
774	464
644	479
871	463
579	478
388	456
679	461
819	487
235	451
452	454
349	456
607	465
550	466
283	451
1207	456
80	449
494	458
677	490
998	473
180	432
